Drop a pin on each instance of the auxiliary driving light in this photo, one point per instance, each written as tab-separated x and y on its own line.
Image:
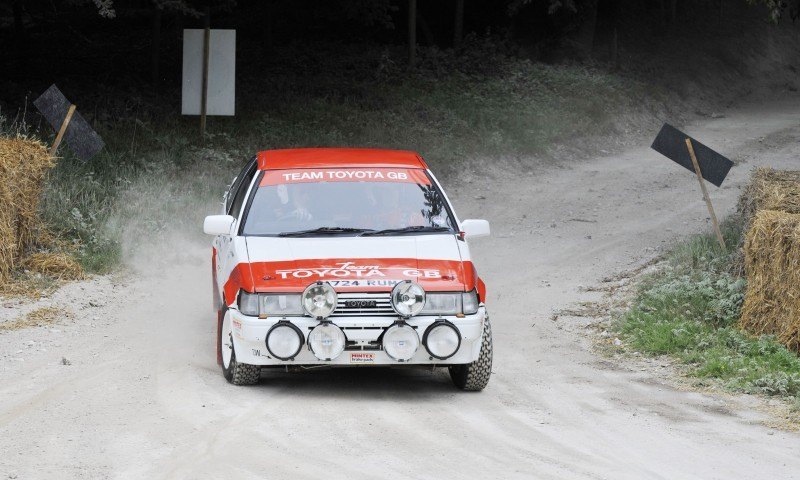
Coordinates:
408	298
442	339
326	341
400	342
284	340
319	299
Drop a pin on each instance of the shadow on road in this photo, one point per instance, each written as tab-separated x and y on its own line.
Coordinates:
373	383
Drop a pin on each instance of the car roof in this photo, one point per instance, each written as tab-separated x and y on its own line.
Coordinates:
338	157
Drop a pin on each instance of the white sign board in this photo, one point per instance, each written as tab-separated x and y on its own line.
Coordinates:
221	72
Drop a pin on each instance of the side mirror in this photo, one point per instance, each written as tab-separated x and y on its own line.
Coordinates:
218	224
475	228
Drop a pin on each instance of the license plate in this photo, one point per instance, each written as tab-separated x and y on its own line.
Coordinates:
362	357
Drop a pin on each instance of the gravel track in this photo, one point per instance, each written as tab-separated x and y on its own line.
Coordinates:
143	396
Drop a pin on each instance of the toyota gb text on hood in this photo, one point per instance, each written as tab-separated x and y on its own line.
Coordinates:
346	257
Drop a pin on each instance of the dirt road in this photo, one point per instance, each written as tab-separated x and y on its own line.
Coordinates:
143	397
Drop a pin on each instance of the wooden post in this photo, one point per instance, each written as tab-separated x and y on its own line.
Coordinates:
705	194
61	131
412	33
615	49
204	94
458	27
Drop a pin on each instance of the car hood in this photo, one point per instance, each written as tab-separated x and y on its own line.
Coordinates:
358	263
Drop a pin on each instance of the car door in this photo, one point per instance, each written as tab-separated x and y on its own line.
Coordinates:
230	249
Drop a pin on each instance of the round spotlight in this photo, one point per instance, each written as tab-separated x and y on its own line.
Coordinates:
319	299
284	340
408	298
400	342
326	341
442	339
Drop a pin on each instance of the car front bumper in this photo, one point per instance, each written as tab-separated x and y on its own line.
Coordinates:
249	339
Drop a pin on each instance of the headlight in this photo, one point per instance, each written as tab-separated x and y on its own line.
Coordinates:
270	304
280	304
442	304
326	341
450	303
284	340
442	339
400	342
319	299
408	298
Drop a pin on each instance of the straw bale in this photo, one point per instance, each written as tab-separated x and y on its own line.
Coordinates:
58	265
23	165
770	190
772	265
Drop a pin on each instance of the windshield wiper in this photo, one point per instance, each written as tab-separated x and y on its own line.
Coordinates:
400	231
324	231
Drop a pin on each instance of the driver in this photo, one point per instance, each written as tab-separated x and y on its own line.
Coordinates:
301	200
294	203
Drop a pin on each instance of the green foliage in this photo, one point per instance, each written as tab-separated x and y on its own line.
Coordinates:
690	310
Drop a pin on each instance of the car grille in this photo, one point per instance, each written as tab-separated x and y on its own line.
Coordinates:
364	305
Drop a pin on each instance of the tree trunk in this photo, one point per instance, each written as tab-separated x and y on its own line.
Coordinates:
156	48
412	33
615	50
268	31
588	29
19	27
426	31
458	24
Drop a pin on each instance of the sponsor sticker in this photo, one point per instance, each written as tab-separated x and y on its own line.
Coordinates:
362	357
395	175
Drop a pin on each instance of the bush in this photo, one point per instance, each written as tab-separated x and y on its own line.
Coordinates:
690	309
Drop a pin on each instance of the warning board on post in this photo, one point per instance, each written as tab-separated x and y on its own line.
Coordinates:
671	143
79	135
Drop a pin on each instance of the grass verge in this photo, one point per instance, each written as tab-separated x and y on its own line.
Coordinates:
690	310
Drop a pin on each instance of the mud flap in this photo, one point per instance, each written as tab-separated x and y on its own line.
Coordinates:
220	316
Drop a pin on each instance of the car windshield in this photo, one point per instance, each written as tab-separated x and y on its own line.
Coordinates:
346	201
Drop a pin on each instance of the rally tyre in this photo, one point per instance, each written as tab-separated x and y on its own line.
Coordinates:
242	373
235	372
474	376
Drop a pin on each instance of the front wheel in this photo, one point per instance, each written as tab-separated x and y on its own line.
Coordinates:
233	371
475	376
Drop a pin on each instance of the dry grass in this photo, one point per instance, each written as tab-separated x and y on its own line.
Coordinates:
60	265
23	165
772	265
40	317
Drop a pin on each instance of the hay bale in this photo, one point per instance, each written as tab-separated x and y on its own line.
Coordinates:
770	190
23	165
57	265
772	265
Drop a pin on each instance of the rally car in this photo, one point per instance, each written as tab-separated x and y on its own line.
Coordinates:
346	257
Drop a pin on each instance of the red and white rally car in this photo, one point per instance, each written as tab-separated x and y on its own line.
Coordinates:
346	257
